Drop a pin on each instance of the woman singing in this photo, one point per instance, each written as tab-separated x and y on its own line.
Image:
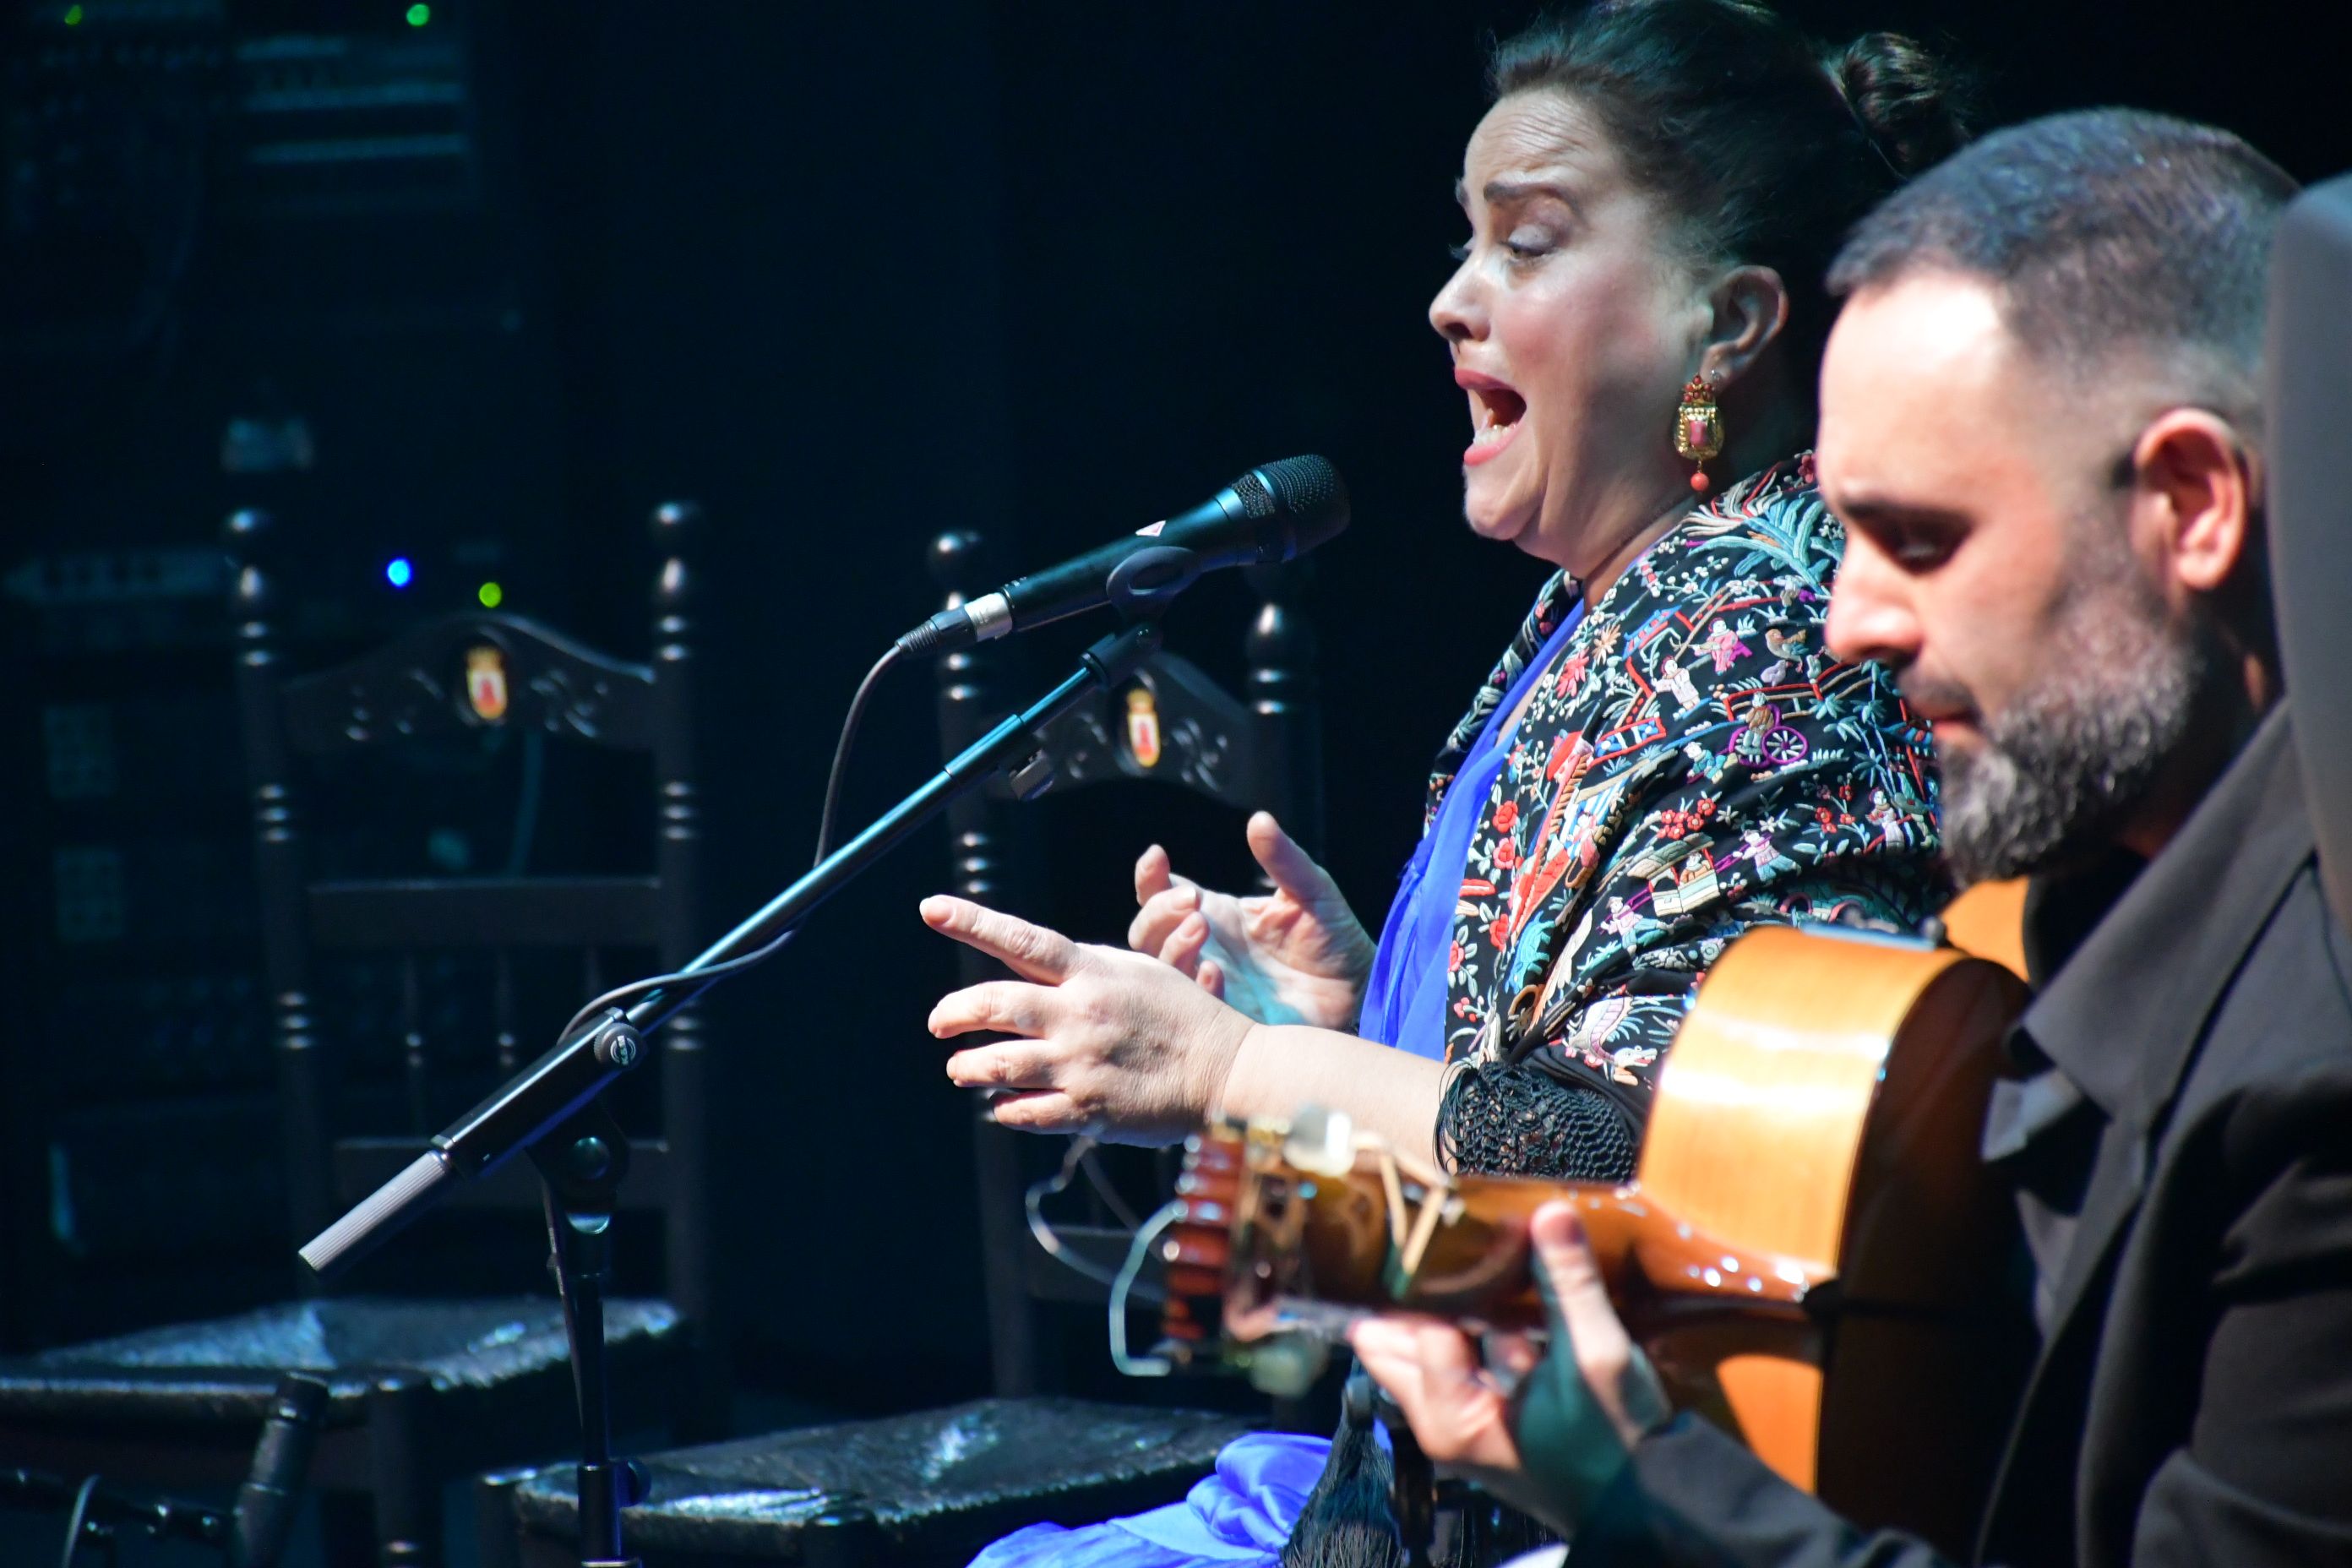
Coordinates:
1665	754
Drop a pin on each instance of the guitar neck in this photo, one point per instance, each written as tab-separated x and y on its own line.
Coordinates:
1475	1259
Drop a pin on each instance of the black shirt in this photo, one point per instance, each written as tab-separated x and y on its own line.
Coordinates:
2182	1146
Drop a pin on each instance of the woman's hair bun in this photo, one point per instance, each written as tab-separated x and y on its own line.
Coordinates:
1913	107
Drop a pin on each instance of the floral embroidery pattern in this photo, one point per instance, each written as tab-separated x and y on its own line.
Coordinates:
1699	764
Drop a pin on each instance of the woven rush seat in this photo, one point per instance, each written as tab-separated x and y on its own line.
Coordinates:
222	1370
932	1487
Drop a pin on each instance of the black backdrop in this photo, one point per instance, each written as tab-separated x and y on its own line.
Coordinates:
849	275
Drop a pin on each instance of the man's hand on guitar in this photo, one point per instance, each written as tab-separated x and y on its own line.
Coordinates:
1551	1445
1112	1044
1296	956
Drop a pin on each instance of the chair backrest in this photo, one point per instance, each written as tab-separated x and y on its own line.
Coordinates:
1172	722
457	676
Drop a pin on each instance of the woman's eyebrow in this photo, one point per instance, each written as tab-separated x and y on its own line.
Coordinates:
1499	191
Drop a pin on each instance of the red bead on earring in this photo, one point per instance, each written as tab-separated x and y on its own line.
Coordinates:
1698	429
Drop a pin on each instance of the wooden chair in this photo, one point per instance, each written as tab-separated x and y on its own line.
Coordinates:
934	1486
425	1391
1173	724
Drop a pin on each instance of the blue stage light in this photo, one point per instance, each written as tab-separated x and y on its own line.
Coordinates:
398	572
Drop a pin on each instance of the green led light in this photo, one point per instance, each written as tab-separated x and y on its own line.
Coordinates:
492	595
73	16
419	14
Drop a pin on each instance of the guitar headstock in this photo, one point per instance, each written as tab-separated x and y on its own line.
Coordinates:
1284	1232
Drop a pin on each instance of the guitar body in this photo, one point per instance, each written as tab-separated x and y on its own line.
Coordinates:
1825	1102
1812	1252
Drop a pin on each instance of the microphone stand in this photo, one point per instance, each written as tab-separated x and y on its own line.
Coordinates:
550	1109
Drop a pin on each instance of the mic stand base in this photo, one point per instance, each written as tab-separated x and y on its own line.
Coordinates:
580	1162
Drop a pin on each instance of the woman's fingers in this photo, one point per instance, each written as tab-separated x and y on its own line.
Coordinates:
1292	869
1044	1110
1211	976
1152	871
1005	1066
1002	1006
1181	951
1157	921
1033	952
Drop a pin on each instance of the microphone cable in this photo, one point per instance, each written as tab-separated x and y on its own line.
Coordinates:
831	812
76	1519
826	821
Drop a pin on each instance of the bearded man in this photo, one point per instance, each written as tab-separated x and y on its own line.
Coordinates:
2039	422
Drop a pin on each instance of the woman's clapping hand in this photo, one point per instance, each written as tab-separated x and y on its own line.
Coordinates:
1296	956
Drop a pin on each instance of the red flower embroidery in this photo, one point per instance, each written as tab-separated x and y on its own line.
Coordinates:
1453	960
1507	853
1506	815
1499	932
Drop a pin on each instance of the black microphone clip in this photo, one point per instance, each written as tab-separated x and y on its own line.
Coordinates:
1142	586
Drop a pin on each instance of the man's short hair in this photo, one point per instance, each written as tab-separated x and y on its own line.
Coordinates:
2106	233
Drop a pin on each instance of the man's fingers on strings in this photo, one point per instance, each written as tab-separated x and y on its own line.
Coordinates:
1572	1279
1513	1355
1002	1006
1388	1349
1033	952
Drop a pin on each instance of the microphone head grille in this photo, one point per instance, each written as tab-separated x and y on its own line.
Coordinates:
1256	499
1311	490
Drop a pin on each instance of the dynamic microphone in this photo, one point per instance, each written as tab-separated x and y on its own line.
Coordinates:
1271	513
272	1492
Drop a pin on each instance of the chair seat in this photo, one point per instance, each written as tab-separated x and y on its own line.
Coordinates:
223	1370
936	1485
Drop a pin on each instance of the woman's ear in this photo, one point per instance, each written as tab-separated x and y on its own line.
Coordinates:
1748	306
2197	501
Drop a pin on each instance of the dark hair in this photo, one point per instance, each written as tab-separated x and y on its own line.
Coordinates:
1764	147
2102	231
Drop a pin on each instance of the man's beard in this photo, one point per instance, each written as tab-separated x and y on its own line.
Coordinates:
2074	753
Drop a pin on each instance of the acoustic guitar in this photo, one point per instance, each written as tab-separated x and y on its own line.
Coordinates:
1811	1253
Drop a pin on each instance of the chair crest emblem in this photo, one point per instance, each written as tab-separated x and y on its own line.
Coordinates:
1143	727
486	683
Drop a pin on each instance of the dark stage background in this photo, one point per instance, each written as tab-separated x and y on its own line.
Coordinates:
847	276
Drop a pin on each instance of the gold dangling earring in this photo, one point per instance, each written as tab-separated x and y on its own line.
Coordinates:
1698	428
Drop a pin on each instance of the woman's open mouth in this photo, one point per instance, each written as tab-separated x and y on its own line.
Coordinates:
1496	411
